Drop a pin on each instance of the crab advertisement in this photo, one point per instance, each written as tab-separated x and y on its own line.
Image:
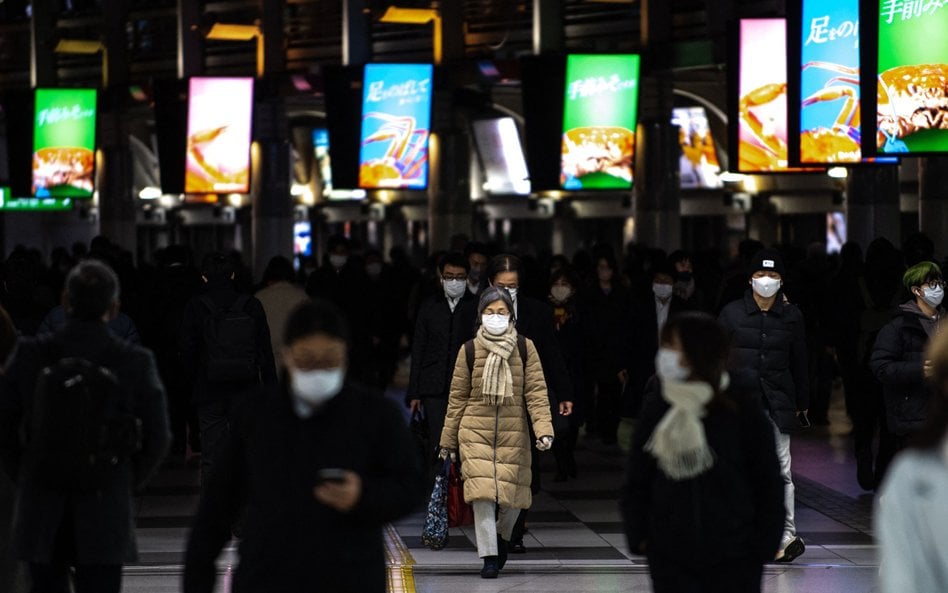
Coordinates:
396	122
829	82
64	143
220	112
912	114
599	117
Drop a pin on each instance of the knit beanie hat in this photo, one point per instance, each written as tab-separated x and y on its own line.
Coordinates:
766	260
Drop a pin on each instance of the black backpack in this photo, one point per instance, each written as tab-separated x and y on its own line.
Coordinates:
78	429
230	352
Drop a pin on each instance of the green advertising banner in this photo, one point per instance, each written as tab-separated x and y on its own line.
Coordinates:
10	204
64	143
599	117
912	72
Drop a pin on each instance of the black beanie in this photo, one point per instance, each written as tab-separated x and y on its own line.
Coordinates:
766	260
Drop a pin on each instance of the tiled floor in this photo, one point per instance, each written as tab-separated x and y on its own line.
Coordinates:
575	541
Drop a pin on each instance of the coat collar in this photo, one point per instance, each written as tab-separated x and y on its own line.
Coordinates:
750	305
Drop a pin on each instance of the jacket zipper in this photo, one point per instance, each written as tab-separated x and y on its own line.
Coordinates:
496	430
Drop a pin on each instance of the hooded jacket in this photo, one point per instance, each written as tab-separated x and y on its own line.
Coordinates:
769	356
494	441
898	363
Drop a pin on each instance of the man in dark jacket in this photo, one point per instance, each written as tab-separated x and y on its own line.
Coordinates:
445	322
769	360
325	465
213	394
898	357
58	527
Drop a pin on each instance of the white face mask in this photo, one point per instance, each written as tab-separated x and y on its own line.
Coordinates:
315	388
338	261
561	293
933	296
662	291
513	293
765	287
668	365
495	325
454	289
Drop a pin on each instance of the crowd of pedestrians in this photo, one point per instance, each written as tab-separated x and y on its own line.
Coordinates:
720	360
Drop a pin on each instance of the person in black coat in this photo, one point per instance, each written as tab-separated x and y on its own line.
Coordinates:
445	322
769	361
320	466
898	359
535	321
213	397
703	497
90	530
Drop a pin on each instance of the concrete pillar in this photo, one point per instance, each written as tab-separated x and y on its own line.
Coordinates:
116	203
872	204
763	220
657	200
356	42
271	26
547	26
933	200
450	210
190	39
272	222
43	39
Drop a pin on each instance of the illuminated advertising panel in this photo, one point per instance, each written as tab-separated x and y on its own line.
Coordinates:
11	204
321	150
599	117
829	107
220	112
762	96
698	164
501	156
396	122
912	71
64	143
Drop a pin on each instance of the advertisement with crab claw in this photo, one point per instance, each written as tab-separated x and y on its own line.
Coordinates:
912	70
220	114
396	124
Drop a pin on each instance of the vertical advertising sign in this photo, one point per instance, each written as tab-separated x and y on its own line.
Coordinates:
829	108
599	117
64	143
396	122
762	96
912	70
698	164
501	156
220	112
321	152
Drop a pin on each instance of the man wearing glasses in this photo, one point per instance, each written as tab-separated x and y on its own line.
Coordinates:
898	358
445	322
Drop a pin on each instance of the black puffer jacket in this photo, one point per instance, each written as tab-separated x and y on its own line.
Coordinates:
439	335
897	362
735	510
769	356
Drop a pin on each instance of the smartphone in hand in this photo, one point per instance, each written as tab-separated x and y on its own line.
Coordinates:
331	474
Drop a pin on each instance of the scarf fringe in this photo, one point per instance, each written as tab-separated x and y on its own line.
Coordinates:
684	465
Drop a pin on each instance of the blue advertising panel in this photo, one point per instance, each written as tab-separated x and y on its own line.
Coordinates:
396	121
829	82
321	152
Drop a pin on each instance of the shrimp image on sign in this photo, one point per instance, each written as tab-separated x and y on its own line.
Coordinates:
212	164
402	164
912	99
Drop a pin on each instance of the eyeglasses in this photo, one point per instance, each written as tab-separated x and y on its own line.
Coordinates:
454	277
933	284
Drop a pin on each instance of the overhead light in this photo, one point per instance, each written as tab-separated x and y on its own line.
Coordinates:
150	193
728	177
237	32
417	16
838	172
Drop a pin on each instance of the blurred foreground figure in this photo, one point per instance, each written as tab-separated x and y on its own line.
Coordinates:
910	518
317	466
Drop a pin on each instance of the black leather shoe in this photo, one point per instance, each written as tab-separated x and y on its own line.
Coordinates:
793	551
490	569
517	547
501	552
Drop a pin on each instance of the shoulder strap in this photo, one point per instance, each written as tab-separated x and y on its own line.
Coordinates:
469	355
209	303
240	303
522	347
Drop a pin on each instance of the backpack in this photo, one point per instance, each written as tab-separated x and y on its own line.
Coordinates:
521	347
230	352
78	429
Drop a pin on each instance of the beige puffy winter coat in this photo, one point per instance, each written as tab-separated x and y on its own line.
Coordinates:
494	441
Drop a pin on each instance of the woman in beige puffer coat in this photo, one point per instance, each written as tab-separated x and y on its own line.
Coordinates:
486	421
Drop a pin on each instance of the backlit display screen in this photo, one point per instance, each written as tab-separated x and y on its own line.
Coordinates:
64	143
698	163
220	113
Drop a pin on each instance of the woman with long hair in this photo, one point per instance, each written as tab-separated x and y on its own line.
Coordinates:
703	498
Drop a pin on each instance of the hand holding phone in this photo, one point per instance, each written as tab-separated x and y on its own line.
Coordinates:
331	474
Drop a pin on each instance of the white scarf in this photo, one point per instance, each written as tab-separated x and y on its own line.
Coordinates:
497	382
679	442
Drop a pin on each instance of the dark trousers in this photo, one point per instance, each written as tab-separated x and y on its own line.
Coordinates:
214	420
436	409
88	578
608	398
869	419
732	576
